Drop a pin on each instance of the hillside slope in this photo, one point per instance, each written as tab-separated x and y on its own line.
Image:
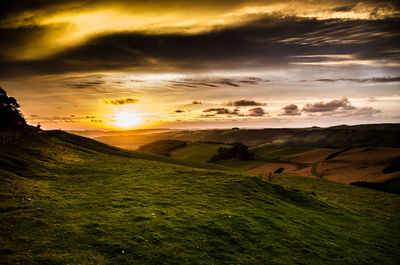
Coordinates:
68	199
337	136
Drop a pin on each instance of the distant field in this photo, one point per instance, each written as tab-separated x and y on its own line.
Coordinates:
71	200
202	152
344	165
197	152
311	156
341	165
163	147
337	136
360	164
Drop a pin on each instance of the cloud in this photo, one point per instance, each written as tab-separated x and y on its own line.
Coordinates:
257	112
365	111
338	108
290	110
244	102
196	102
228	82
266	41
253	80
122	101
222	111
362	80
86	84
179	111
333	105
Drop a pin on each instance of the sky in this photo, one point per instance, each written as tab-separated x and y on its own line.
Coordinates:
187	64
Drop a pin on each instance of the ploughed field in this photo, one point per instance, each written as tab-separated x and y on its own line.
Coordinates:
347	165
71	200
367	164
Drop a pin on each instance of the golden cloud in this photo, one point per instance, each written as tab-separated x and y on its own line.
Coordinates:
70	24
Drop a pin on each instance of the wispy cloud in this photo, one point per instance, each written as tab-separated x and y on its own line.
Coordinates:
362	80
122	101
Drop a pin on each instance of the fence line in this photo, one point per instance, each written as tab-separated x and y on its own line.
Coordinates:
9	137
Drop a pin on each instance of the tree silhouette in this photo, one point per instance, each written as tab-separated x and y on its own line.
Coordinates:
238	150
10	116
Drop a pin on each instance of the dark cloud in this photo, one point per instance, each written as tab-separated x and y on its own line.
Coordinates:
290	110
122	101
199	82
87	84
222	111
178	84
244	102
257	112
333	105
253	80
179	111
196	102
363	80
215	82
339	108
228	82
267	42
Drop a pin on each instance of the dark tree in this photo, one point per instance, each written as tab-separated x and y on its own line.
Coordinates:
238	150
10	115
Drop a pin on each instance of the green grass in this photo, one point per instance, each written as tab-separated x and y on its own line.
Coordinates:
238	164
201	152
270	153
71	200
163	147
262	155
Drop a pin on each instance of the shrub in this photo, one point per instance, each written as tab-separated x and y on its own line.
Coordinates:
238	150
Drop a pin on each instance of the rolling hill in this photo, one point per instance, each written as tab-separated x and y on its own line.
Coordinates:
338	136
69	199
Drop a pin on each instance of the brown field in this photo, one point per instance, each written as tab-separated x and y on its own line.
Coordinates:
360	164
288	169
312	156
357	164
371	154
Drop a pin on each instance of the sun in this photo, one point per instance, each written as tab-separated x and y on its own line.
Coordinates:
126	119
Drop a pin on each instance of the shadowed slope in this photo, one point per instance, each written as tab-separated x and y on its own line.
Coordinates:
67	199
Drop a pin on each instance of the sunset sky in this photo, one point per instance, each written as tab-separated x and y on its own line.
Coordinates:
201	64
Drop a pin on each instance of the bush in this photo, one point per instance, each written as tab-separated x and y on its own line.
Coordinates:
238	150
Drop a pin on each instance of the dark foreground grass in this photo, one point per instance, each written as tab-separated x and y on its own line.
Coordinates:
67	200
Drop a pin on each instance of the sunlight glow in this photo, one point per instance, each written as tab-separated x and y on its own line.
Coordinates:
127	119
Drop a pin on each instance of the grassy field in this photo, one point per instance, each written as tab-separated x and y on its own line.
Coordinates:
71	200
202	152
163	147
